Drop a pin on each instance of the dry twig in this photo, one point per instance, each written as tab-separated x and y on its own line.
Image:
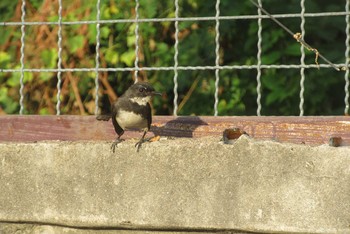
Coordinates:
299	38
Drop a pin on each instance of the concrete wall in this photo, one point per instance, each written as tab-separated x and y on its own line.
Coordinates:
181	184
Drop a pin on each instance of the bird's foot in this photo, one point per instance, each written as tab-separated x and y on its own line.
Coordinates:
140	142
103	117
115	144
150	139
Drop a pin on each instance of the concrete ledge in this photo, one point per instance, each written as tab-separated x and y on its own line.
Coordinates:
181	184
11	228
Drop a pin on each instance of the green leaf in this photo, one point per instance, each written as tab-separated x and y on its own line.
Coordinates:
75	43
4	57
293	49
15	78
8	104
49	57
53	18
45	76
128	57
149	7
106	13
92	33
44	111
3	93
112	57
222	105
104	32
273	97
131	40
271	58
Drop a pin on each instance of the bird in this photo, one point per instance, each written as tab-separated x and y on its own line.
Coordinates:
132	110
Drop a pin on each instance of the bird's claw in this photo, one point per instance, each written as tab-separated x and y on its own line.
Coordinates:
140	142
138	145
115	144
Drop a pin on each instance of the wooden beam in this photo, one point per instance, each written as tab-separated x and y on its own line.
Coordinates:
301	130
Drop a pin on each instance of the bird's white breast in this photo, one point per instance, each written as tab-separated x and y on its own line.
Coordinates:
127	119
142	101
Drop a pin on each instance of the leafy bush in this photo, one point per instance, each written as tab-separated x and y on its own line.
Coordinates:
324	88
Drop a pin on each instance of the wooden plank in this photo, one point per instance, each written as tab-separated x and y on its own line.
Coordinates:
302	130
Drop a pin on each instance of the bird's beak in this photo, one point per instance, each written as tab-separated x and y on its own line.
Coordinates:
156	93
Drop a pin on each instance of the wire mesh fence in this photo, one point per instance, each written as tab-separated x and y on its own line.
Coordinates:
219	28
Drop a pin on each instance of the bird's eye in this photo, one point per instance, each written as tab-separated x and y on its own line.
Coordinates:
141	90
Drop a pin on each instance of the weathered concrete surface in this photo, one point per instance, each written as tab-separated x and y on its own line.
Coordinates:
196	184
11	228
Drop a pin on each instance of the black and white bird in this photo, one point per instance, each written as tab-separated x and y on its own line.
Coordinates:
132	111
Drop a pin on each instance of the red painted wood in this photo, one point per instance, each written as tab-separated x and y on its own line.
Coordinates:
308	130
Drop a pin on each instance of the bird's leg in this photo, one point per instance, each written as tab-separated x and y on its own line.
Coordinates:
141	141
115	143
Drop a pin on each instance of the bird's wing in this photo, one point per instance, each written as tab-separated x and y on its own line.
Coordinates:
149	116
117	127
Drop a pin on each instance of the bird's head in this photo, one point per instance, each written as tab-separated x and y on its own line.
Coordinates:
141	93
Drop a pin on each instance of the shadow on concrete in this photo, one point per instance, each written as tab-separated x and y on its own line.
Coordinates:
179	127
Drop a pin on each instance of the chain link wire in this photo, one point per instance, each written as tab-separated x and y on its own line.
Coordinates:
217	56
347	54
180	68
302	60
137	38
23	33
176	68
180	19
97	61
59	63
176	55
258	56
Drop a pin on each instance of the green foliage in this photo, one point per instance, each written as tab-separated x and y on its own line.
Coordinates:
5	100
75	43
324	88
